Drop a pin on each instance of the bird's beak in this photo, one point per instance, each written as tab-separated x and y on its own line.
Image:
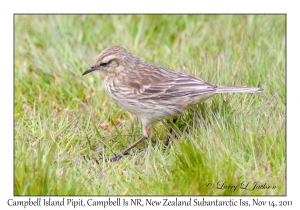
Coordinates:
89	70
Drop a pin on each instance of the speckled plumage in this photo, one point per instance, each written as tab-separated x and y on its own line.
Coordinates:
152	92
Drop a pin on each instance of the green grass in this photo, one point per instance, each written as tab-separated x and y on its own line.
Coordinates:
65	123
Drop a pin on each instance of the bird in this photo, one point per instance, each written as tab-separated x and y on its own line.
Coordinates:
152	92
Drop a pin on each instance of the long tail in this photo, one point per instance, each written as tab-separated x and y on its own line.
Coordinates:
236	89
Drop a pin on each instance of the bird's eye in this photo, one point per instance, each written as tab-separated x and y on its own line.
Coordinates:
103	64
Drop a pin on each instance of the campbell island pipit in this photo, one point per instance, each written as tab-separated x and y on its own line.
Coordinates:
152	92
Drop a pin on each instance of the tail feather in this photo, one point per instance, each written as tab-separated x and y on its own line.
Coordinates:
237	89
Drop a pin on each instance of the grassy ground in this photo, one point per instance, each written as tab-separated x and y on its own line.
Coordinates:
65	123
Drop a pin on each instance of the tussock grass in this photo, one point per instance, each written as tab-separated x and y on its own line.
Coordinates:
65	123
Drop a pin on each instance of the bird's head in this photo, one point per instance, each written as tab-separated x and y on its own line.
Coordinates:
111	61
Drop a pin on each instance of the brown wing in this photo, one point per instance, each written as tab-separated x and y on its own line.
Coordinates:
184	85
151	81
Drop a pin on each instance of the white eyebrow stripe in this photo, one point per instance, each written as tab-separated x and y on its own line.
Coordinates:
108	58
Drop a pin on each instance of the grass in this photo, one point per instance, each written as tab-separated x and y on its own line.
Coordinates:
65	123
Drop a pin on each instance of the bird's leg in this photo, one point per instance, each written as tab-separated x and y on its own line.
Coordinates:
125	151
172	131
